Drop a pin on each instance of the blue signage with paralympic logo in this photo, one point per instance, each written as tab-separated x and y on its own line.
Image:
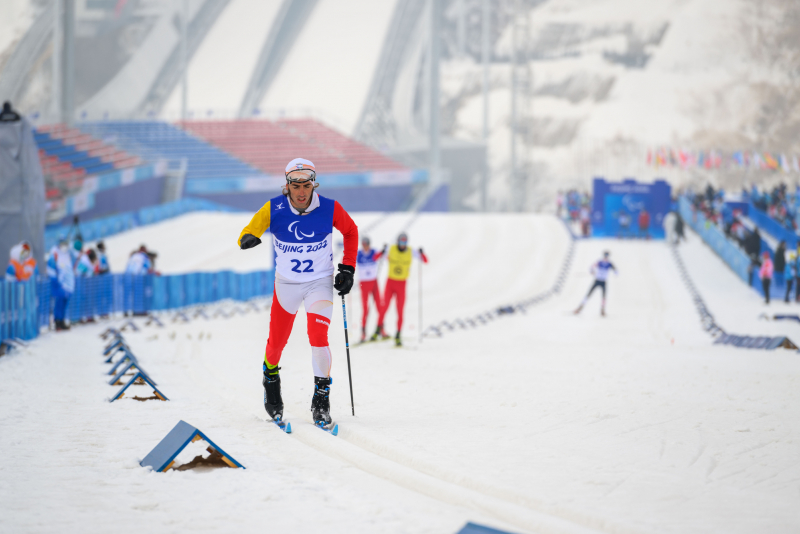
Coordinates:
630	208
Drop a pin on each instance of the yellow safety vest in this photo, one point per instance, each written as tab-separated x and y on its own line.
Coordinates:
399	263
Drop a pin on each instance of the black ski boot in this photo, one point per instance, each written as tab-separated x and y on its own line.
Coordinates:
379	334
273	402
320	402
397	341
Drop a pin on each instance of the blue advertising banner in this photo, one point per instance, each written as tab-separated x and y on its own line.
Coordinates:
630	208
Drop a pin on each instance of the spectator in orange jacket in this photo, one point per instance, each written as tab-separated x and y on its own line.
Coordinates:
21	265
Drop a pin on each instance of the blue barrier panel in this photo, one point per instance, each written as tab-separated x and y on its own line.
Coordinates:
18	310
612	200
730	253
27	306
736	259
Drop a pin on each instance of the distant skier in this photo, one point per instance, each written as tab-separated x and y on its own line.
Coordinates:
600	271
367	263
302	223
400	257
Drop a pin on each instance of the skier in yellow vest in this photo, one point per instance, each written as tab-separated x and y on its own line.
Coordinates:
400	257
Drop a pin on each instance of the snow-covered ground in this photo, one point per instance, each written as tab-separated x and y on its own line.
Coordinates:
543	422
202	241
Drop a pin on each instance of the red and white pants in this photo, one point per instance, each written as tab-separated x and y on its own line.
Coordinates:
317	296
397	289
369	287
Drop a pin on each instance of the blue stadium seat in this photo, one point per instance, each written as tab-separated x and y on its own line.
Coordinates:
152	140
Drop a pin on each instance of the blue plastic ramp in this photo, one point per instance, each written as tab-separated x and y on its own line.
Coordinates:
163	456
472	528
146	379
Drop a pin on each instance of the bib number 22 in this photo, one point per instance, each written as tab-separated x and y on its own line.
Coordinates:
308	263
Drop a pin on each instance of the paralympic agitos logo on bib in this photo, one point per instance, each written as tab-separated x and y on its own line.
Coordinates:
295	230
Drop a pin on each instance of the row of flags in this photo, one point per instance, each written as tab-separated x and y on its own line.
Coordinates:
716	159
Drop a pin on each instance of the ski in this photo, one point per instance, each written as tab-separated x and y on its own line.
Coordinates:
331	428
283	425
370	342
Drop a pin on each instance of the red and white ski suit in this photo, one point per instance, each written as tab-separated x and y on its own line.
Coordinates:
303	270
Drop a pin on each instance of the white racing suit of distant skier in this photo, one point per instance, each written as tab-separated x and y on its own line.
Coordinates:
600	271
304	270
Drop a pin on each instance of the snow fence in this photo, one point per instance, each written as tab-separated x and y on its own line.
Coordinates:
27	306
18	310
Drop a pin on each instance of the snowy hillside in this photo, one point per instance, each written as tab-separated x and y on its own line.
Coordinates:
612	78
542	422
16	16
330	68
326	74
220	69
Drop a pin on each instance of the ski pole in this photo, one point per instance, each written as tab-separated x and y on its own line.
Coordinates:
420	301
347	347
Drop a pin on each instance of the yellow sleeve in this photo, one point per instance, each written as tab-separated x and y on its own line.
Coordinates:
258	224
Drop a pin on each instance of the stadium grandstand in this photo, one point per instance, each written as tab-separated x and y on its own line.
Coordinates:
268	145
152	140
69	155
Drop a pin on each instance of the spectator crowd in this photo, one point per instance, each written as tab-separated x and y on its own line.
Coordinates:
575	208
777	271
70	260
778	203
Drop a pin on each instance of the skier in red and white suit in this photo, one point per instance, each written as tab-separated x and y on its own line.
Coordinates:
367	262
302	223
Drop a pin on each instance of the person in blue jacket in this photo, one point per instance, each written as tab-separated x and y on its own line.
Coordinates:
790	273
64	270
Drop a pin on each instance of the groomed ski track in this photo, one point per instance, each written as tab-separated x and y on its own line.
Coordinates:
543	422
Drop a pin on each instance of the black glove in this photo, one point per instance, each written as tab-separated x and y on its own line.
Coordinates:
249	241
343	282
420	251
385	248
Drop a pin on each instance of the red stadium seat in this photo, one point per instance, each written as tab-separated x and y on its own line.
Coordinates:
268	145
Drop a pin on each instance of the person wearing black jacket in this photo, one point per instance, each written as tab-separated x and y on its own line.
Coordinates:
679	228
780	265
752	247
